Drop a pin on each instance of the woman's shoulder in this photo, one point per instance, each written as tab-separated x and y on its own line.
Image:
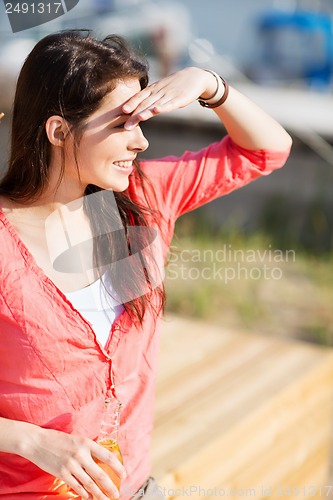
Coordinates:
16	231
4	221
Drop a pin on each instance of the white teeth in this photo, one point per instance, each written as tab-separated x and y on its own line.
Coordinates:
123	164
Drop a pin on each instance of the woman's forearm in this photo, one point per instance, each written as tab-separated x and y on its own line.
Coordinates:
249	126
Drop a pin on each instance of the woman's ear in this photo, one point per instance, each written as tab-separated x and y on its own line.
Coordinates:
56	129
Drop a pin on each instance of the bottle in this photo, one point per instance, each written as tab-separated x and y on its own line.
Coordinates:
108	438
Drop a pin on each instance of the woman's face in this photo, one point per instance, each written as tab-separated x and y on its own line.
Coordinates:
106	150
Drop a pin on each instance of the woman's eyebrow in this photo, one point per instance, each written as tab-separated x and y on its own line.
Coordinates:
107	118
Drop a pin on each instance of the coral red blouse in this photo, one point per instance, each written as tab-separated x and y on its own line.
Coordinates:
53	371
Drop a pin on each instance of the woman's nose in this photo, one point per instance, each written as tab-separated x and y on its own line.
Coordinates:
138	141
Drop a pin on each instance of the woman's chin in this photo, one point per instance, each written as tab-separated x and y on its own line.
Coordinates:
118	187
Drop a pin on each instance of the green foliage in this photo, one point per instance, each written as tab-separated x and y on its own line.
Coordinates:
294	302
308	228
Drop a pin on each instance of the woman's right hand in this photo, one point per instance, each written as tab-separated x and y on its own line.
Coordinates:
70	459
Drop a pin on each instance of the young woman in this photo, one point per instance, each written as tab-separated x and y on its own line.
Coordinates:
78	212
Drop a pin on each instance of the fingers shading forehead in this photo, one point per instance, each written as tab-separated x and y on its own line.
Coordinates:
111	107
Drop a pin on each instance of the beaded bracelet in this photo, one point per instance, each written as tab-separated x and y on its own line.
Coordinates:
207	103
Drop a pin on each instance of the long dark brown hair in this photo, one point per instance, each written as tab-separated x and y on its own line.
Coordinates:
68	74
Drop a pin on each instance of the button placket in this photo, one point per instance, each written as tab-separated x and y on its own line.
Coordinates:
113	340
113	386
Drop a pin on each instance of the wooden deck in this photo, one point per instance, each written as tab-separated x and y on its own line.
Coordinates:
241	415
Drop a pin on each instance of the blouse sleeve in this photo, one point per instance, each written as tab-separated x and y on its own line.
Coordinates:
184	183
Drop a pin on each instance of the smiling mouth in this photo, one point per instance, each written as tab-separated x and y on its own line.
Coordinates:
123	164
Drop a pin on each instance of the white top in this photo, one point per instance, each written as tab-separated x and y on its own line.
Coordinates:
97	307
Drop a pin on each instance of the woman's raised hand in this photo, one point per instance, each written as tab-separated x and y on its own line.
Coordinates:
70	459
173	92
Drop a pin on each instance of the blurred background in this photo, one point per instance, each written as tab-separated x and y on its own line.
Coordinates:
280	53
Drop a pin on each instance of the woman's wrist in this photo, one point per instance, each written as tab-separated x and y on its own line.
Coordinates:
211	86
31	442
24	440
220	95
16	436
